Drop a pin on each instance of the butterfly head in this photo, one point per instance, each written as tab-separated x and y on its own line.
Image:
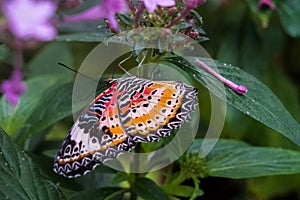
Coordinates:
110	81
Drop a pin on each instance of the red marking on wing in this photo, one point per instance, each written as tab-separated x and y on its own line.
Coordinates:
147	90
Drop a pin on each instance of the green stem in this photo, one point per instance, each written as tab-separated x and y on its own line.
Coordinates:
179	179
134	176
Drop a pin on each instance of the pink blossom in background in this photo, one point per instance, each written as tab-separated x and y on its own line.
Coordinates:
14	87
151	5
107	10
111	8
30	19
194	3
267	3
93	13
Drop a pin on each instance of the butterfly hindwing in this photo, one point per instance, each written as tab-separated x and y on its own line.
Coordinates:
96	137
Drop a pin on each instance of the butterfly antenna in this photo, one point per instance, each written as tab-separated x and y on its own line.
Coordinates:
120	65
140	64
73	70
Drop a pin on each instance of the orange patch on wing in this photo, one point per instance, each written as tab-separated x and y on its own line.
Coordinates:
141	119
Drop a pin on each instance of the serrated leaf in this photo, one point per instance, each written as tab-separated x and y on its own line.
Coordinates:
85	37
236	159
147	189
20	178
259	102
289	13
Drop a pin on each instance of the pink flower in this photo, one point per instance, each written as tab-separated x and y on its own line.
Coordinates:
239	89
29	19
108	9
14	87
151	5
194	3
267	3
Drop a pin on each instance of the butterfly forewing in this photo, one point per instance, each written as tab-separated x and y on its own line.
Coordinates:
131	110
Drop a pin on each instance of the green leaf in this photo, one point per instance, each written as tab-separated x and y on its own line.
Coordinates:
181	25
46	60
46	100
126	19
289	13
235	159
100	194
120	177
20	177
259	102
181	191
85	37
54	105
147	189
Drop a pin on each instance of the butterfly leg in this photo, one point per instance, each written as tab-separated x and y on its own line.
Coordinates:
140	64
120	65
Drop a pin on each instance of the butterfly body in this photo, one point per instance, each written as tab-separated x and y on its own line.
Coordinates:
131	110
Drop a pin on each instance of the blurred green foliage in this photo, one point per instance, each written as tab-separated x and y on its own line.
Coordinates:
262	43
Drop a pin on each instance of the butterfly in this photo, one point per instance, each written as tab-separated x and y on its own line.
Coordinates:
129	111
